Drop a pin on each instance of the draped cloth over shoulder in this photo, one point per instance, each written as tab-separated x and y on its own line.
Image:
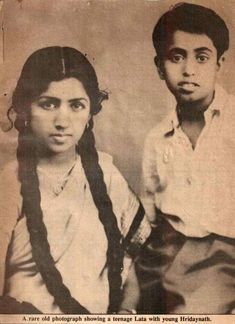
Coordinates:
77	240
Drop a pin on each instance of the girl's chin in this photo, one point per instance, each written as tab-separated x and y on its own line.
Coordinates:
54	150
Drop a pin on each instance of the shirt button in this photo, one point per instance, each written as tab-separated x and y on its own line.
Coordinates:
166	157
181	140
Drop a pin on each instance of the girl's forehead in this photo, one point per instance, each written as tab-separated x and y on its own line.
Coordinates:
65	89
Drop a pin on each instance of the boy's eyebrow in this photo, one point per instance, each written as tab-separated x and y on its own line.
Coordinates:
177	50
203	49
181	50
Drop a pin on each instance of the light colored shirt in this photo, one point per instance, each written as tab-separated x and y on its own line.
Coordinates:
195	185
77	240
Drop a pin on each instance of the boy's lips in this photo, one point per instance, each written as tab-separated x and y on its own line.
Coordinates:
188	86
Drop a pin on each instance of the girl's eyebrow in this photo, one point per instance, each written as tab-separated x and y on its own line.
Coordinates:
48	97
78	99
58	99
55	98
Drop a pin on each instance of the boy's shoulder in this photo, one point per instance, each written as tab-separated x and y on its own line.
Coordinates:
161	131
230	109
226	103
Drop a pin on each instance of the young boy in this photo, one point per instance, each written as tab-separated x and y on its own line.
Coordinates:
189	167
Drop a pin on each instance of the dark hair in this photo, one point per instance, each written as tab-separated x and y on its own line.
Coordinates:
53	64
194	19
42	67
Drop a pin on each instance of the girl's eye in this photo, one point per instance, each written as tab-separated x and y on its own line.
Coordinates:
202	58
48	105
177	58
76	106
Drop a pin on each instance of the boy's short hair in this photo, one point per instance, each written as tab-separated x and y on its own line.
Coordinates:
194	19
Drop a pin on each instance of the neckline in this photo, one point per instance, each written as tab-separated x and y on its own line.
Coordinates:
56	183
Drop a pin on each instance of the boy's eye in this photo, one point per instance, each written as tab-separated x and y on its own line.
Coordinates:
176	58
202	58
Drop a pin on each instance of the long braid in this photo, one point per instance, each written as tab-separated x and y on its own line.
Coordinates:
95	177
42	67
38	234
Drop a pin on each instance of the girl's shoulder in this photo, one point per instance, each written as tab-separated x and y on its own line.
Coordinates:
9	175
110	171
108	167
123	198
10	197
105	159
10	200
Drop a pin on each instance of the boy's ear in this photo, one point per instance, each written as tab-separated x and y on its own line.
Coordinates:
220	62
160	68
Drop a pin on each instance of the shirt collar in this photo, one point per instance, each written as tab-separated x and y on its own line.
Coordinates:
215	108
218	103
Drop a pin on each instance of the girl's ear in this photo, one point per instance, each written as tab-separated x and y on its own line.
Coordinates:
160	68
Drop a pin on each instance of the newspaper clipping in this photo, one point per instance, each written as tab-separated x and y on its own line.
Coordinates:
117	161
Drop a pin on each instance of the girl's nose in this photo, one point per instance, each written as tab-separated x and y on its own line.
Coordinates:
62	118
189	68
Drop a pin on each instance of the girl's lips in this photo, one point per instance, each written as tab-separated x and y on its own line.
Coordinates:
60	135
60	138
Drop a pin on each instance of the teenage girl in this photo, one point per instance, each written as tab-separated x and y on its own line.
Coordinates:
69	221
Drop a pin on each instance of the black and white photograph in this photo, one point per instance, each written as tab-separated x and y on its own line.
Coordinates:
117	161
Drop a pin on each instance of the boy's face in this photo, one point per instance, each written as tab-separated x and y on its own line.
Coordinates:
190	67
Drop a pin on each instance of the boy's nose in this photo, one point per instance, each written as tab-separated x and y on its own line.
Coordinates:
189	68
62	118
